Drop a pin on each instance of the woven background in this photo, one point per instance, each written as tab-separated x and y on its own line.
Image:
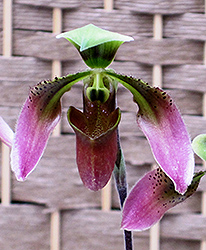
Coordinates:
52	210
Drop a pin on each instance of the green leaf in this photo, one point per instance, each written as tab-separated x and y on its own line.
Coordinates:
199	146
96	46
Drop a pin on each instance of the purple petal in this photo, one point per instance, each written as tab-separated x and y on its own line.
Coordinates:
6	134
96	150
32	132
96	158
150	198
162	124
96	139
168	138
40	114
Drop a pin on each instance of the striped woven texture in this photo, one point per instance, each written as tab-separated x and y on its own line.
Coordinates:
52	210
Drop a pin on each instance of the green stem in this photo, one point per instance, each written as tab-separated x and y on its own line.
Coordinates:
121	184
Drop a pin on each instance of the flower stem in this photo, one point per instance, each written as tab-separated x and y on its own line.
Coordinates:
128	240
121	184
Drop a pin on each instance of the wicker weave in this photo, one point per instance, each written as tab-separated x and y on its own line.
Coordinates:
52	209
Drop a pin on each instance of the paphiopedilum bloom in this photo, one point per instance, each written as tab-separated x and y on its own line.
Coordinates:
98	151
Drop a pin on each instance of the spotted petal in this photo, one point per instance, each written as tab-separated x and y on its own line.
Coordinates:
39	116
96	140
151	197
162	124
6	134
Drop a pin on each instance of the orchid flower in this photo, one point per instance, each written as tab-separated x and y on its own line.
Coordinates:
98	150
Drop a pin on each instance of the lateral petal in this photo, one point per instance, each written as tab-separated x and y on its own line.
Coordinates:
151	197
162	124
39	115
6	133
